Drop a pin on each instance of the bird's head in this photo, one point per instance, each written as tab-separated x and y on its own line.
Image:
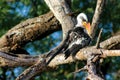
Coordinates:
82	21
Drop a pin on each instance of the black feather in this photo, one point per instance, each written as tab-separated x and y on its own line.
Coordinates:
60	48
74	41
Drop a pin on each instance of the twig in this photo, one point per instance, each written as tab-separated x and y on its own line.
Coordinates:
82	69
98	40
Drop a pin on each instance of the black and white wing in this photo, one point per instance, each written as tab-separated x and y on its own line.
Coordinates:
78	39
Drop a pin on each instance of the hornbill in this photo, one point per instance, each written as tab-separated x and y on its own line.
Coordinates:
76	38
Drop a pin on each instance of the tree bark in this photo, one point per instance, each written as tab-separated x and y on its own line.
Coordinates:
96	18
29	30
27	60
60	9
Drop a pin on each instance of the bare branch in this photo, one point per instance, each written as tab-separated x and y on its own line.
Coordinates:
92	72
39	67
83	54
27	31
111	42
4	60
96	17
16	60
60	9
98	40
111	53
60	59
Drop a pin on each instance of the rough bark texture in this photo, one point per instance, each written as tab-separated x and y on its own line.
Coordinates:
33	70
19	60
96	18
7	60
60	9
27	31
111	42
60	59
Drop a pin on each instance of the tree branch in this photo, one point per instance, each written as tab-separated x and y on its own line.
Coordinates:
104	45
83	54
17	60
60	59
98	40
39	67
111	42
96	17
60	9
27	31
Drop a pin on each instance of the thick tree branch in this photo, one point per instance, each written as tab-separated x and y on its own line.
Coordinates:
111	42
60	9
60	59
17	60
4	61
96	17
32	29
39	67
83	54
93	72
27	31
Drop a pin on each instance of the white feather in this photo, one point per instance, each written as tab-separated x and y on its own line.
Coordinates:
78	41
79	20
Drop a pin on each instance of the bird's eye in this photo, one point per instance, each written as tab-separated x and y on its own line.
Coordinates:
84	22
83	19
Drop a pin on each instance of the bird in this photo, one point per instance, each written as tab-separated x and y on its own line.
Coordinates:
76	38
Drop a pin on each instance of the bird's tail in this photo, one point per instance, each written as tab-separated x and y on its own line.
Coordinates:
51	58
64	44
58	50
54	54
72	51
67	53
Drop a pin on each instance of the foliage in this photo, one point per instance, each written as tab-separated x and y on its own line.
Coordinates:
13	12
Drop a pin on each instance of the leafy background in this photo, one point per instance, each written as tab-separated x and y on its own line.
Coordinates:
13	12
